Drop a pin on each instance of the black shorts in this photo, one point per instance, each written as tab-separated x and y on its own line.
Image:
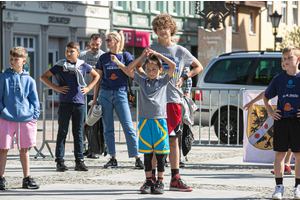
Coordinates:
287	134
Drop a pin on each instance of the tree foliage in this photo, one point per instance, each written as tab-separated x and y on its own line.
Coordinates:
291	37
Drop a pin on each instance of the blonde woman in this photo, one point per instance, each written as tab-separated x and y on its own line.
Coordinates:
111	91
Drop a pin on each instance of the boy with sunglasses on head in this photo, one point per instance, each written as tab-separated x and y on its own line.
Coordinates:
165	28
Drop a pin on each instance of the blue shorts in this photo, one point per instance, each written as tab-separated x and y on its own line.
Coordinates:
153	136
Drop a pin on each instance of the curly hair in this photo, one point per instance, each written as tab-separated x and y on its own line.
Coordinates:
164	20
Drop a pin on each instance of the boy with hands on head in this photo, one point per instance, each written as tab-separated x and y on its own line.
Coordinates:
153	130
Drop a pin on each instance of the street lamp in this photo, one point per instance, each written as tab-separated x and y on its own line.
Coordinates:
275	19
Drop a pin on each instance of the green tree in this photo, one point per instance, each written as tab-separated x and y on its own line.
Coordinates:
291	37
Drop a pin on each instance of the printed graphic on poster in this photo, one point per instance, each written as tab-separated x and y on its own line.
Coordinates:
258	130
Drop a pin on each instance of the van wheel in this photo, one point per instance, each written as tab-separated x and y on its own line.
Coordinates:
232	127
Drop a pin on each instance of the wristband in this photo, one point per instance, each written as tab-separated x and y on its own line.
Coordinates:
184	76
118	63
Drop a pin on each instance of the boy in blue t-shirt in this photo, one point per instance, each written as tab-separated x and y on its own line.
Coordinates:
70	73
153	130
286	86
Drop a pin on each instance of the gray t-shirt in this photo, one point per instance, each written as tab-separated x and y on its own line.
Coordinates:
152	96
90	59
182	57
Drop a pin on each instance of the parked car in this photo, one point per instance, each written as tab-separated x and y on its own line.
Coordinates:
233	71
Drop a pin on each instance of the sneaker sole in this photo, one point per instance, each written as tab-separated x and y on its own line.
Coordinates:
139	168
145	192
83	170
157	192
62	170
111	167
28	187
182	190
285	173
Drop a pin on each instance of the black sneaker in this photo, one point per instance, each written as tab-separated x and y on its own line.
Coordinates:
139	164
158	187
2	183
181	164
60	166
80	166
147	187
86	153
28	183
111	163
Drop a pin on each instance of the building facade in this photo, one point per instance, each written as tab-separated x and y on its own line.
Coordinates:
290	18
44	28
134	19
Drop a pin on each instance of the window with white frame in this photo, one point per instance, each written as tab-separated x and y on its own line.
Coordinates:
82	44
119	5
270	10
251	23
140	6
157	8
192	7
283	12
175	7
29	44
295	13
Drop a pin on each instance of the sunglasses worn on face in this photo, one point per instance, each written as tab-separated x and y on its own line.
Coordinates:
108	40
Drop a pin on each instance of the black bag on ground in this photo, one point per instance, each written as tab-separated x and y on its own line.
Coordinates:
95	137
187	139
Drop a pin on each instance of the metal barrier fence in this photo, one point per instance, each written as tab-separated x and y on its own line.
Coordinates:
215	109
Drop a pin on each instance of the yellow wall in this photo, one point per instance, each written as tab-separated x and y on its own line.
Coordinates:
267	37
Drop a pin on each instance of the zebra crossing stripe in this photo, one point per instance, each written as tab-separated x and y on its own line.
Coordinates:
261	131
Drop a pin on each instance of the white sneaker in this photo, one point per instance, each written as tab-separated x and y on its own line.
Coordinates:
297	192
278	192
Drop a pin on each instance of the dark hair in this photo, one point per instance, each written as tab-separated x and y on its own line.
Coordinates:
95	36
74	45
154	60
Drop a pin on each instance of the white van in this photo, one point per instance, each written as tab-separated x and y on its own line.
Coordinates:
227	74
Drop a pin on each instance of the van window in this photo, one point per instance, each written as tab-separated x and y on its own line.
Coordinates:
230	71
266	70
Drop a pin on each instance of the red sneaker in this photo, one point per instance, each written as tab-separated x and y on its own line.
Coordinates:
177	184
287	170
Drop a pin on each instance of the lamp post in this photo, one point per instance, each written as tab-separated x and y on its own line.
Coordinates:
275	19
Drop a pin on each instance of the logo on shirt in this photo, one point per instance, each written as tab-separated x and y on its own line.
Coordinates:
113	77
289	85
288	107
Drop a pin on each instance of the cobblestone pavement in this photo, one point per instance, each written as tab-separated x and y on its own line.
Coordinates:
207	169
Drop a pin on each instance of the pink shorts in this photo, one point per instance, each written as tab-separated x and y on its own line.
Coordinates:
25	134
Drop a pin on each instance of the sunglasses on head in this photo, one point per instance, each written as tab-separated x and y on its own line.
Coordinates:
108	40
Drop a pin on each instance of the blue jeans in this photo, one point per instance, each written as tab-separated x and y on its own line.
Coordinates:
118	100
67	111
